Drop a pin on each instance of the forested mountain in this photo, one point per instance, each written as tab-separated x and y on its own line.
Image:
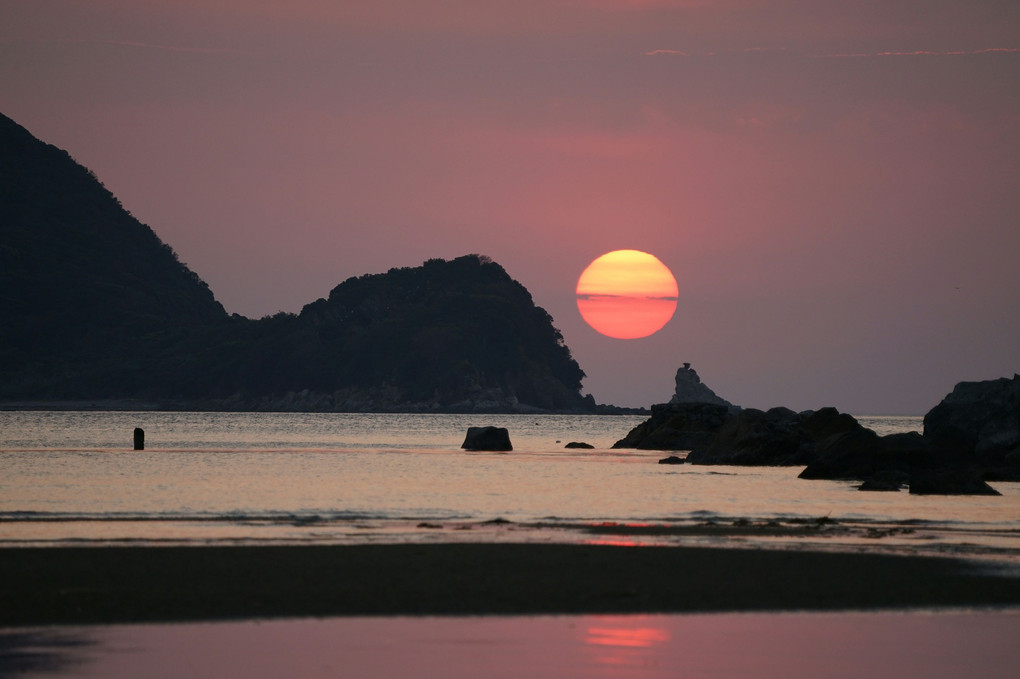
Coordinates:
87	293
94	306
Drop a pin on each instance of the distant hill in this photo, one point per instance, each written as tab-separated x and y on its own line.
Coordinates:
94	306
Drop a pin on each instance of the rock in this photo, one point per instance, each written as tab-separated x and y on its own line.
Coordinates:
677	426
949	482
487	438
689	389
880	485
578	444
823	424
753	437
890	480
672	459
972	436
861	454
978	426
852	454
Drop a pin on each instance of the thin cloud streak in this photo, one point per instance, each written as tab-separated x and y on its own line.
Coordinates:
918	53
591	296
169	48
841	55
125	43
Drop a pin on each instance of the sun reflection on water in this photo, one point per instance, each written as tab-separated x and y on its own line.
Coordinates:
628	642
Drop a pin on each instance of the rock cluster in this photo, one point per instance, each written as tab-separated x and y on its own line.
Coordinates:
973	435
677	426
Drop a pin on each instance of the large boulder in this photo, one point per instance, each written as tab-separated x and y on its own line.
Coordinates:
754	437
862	455
487	438
852	454
978	426
677	426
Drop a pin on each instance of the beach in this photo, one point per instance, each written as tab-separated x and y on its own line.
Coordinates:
72	585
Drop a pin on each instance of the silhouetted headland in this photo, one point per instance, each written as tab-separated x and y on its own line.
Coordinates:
98	312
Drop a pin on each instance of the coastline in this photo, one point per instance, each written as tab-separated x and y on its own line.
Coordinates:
284	406
128	584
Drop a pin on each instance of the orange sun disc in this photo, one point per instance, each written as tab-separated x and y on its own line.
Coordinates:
627	294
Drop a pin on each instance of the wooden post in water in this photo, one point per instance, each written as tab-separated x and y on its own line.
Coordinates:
139	438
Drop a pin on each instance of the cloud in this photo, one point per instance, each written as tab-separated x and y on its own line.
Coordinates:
840	55
599	296
126	43
917	53
167	48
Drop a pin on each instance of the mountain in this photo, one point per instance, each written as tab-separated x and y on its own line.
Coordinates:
93	305
447	334
86	291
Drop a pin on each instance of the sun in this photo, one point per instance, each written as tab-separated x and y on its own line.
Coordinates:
627	294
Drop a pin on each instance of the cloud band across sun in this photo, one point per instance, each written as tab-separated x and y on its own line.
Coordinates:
627	294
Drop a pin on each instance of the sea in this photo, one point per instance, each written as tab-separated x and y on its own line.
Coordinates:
73	478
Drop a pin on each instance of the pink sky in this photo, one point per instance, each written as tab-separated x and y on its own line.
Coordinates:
834	184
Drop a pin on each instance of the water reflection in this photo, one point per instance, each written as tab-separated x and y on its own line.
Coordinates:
768	646
626	643
641	637
24	652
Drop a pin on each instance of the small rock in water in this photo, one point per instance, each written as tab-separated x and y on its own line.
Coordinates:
487	438
672	459
880	485
578	444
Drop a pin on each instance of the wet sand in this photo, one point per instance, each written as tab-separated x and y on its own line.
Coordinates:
71	585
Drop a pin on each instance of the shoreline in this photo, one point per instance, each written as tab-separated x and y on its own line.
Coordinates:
105	585
199	406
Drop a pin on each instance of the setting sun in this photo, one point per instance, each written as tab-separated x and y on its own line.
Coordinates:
627	294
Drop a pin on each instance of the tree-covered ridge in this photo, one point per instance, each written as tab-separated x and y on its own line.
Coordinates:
442	331
94	306
85	289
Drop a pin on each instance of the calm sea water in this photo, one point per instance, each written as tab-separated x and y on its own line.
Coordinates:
226	478
945	645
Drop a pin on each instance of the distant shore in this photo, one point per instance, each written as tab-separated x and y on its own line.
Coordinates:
74	585
131	405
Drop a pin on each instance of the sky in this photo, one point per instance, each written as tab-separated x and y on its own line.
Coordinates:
834	183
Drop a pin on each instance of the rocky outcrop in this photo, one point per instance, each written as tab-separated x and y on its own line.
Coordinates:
977	426
754	437
677	426
487	438
689	389
860	454
972	436
831	444
579	444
